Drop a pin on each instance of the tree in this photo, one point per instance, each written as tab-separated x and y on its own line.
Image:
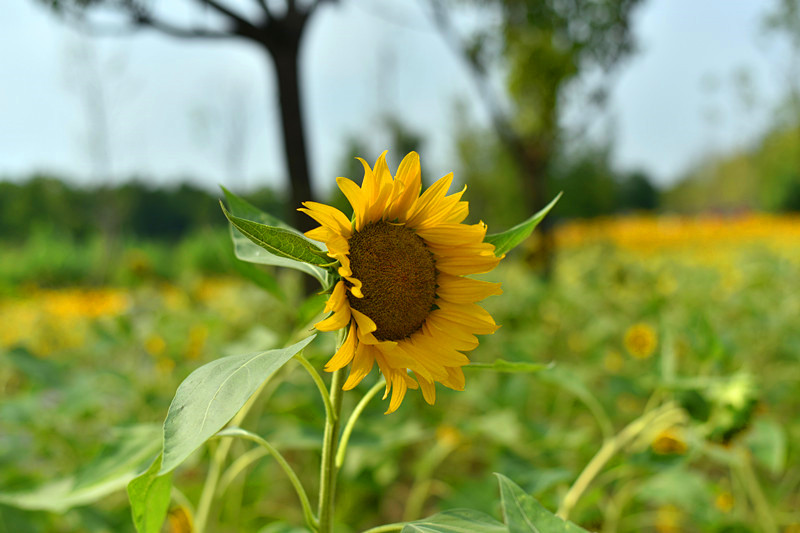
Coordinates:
277	30
546	50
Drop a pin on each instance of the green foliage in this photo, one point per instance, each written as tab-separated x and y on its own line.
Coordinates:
765	176
541	428
115	466
212	395
284	247
511	367
456	521
149	497
134	210
523	514
508	240
279	242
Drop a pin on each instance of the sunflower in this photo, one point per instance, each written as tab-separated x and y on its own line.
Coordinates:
402	290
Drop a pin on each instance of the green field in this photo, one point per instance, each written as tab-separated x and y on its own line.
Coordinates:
93	344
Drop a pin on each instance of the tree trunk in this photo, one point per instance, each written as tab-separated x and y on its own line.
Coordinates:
286	58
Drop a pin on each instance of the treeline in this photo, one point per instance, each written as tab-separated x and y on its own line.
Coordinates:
131	210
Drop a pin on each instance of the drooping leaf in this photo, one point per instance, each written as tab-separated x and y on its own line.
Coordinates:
242	208
456	521
508	240
248	250
523	514
278	241
149	497
212	395
511	367
117	464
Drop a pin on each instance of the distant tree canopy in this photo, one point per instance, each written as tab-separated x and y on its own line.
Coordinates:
765	177
549	51
145	212
591	186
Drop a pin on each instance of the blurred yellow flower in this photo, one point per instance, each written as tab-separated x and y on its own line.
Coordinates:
669	442
180	520
197	341
668	519
448	435
155	345
724	502
640	340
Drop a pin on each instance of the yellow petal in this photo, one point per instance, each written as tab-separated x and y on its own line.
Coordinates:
453	234
432	196
472	316
457	214
457	289
345	353
363	362
355	196
428	389
337	297
399	388
461	266
328	216
463	342
408	183
437	352
337	320
455	378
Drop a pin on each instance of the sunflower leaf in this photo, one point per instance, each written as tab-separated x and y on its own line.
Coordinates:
508	240
212	395
523	514
149	497
456	521
284	246
242	208
511	367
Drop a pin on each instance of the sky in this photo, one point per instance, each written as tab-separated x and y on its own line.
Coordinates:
207	111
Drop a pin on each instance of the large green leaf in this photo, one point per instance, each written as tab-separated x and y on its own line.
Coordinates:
456	521
116	465
149	497
252	251
278	241
523	514
242	208
508	240
212	395
510	367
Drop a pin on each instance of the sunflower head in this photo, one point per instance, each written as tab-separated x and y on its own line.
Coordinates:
402	291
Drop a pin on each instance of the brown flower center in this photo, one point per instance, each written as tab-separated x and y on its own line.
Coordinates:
398	276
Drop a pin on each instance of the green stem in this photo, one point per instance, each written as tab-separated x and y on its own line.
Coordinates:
744	467
287	469
323	390
664	414
238	466
388	528
328	470
351	422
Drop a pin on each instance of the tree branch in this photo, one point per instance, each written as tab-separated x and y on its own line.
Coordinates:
264	7
224	10
143	19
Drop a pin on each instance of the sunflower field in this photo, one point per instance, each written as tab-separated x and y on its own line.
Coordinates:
650	385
